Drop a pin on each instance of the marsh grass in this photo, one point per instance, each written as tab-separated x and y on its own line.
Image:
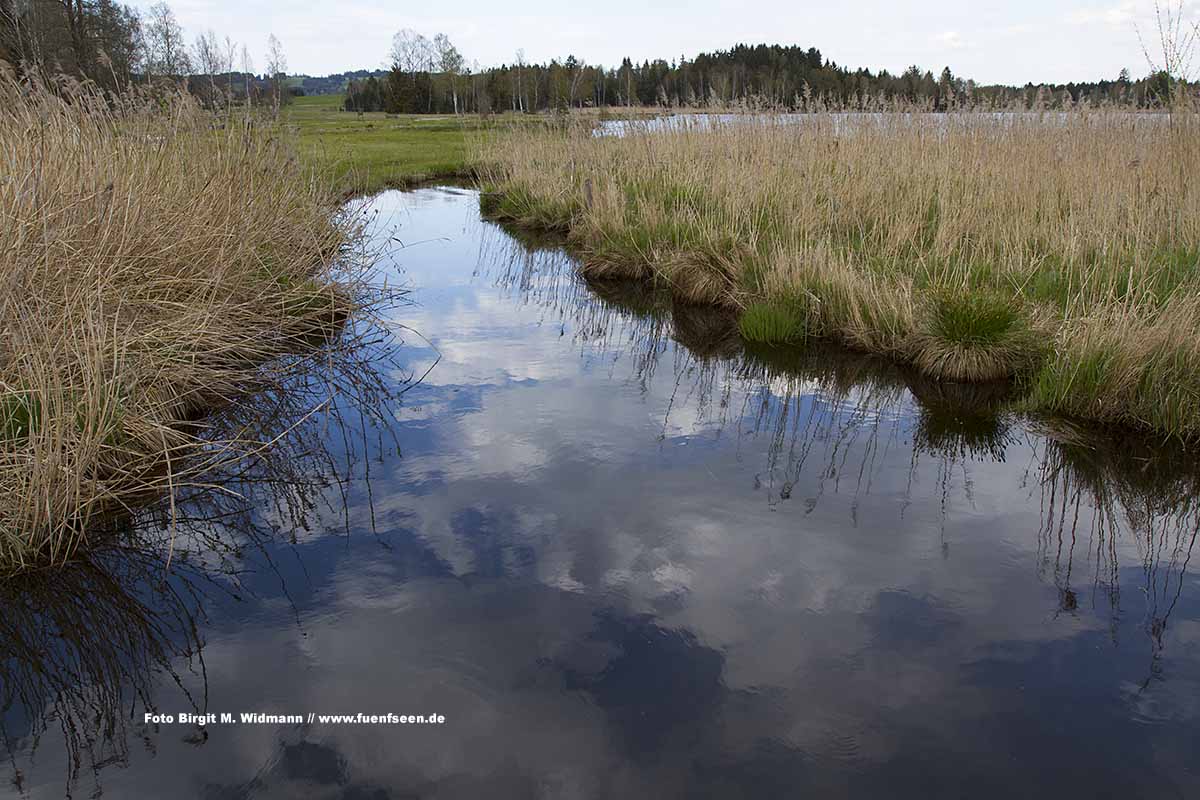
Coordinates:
1057	248
974	335
773	323
155	262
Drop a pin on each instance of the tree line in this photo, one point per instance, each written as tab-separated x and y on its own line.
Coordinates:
430	76
115	46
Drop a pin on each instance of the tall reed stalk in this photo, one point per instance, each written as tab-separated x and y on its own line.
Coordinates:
152	259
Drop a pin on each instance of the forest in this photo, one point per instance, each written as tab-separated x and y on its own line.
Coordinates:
114	46
429	76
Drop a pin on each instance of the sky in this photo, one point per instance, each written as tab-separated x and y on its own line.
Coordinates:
992	42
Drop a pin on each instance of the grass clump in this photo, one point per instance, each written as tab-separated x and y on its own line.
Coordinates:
154	261
974	336
773	323
1145	374
19	414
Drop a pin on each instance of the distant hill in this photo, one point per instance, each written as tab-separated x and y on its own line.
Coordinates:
333	84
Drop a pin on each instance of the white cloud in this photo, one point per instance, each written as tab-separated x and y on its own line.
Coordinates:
951	39
1118	16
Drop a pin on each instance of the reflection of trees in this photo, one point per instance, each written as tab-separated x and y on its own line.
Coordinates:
831	416
84	645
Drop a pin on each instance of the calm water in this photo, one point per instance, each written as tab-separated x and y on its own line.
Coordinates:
838	123
623	558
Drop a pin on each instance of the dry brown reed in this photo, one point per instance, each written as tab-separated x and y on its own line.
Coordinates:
152	259
1058	247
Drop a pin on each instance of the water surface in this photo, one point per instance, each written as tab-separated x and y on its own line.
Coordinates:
847	122
624	557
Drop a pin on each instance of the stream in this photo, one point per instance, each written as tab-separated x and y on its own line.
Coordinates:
623	556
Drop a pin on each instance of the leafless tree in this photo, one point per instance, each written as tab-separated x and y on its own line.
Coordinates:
520	78
206	54
1176	44
247	72
450	62
412	54
410	51
208	59
229	56
276	70
166	52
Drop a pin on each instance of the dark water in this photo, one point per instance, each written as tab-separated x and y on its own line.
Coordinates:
623	558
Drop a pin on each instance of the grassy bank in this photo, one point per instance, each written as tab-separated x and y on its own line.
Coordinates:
153	259
1059	250
366	153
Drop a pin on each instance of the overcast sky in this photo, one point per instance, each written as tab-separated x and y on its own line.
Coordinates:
1009	42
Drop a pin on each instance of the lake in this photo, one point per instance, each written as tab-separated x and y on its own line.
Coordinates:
840	123
622	556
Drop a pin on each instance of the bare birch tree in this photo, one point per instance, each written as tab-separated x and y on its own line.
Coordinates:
520	79
165	48
208	59
276	70
247	72
450	62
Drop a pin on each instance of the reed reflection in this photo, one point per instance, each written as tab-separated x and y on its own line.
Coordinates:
1102	499
830	417
88	647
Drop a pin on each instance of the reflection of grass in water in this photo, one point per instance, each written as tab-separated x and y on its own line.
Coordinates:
1145	479
79	640
708	332
531	240
839	372
630	297
1100	492
84	643
961	420
957	421
829	414
822	406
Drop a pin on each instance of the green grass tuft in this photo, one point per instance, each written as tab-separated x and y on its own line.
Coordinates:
20	413
774	323
972	318
1156	388
974	335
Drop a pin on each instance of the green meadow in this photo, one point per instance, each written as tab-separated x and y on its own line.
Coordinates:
368	152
